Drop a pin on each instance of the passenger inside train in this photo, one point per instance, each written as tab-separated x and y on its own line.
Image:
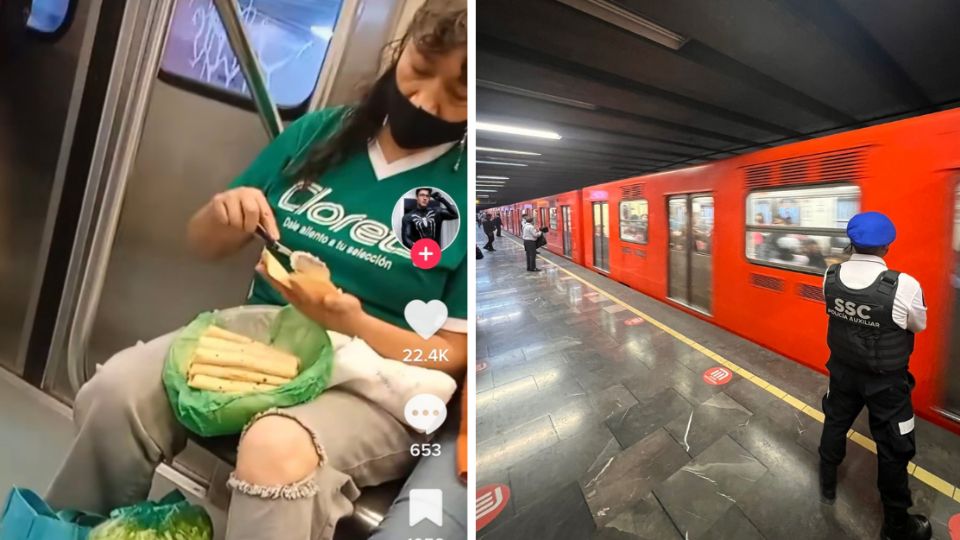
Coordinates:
316	205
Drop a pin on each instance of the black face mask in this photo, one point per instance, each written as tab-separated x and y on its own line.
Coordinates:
413	127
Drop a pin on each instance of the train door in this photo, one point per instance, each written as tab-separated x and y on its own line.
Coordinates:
691	250
41	88
952	392
567	236
601	236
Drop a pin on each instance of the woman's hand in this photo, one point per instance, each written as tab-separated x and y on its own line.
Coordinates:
223	225
243	209
337	311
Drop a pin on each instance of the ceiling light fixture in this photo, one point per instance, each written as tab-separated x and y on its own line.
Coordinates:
492	177
516	130
503	151
507	89
629	21
486	191
489	183
502	163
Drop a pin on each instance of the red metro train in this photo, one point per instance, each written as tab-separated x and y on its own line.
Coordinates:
743	242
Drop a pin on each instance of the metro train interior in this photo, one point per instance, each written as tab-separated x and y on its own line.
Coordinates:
694	165
117	120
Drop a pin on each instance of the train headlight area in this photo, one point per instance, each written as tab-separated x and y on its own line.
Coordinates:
695	165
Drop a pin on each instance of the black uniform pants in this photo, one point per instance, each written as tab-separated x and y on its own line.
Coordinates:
499	235
489	240
530	246
887	397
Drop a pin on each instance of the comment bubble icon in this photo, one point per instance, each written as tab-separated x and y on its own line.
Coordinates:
425	412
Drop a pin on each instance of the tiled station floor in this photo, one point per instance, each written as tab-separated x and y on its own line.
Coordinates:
601	425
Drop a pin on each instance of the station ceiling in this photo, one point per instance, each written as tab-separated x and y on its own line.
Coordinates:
639	86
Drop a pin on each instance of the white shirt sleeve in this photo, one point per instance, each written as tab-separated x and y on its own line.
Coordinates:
909	304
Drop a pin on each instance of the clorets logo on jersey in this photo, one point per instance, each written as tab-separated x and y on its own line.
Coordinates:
309	202
852	311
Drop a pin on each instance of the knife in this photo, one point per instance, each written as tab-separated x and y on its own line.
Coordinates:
272	245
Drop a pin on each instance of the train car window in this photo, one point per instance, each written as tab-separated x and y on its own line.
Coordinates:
800	229
290	37
702	225
553	218
634	221
49	16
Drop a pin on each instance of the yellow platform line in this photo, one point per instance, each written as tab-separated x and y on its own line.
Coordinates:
916	471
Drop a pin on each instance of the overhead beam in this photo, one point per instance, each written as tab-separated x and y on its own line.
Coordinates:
512	51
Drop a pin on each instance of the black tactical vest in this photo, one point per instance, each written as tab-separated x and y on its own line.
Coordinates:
862	333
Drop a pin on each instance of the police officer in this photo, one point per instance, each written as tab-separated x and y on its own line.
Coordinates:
873	314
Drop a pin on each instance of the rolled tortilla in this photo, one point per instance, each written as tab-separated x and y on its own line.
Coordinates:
254	348
216	384
274	269
281	366
236	374
316	286
226	335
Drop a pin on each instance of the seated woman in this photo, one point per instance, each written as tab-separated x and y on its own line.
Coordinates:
327	186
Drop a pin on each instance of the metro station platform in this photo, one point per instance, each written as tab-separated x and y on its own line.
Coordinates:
598	422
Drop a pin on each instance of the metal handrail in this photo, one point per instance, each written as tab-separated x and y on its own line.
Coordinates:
130	128
239	40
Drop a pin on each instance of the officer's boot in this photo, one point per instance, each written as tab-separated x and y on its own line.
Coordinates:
899	525
828	482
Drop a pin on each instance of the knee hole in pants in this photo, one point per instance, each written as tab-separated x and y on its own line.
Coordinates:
277	458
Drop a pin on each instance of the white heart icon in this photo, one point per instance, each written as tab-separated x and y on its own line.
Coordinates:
425	318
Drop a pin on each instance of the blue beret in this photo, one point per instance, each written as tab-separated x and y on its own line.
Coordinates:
871	229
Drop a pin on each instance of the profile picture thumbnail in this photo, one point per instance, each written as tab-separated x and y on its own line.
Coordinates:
426	212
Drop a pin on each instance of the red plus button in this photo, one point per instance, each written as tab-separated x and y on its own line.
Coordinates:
425	253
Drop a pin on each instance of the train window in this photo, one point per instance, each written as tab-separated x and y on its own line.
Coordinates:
634	221
290	38
553	218
49	16
800	229
955	279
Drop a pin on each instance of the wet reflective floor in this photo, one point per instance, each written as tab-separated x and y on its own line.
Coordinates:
602	425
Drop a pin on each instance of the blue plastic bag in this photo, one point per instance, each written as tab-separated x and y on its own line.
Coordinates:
26	516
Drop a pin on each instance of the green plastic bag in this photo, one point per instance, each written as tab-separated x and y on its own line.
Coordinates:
212	413
170	518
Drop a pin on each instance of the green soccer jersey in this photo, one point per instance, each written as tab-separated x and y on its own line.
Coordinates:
345	216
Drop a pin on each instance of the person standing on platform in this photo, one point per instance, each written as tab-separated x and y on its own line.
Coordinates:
499	224
488	229
529	236
873	315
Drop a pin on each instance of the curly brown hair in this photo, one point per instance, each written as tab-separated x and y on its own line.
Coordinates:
439	26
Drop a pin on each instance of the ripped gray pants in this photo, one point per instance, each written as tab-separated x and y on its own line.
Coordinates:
126	427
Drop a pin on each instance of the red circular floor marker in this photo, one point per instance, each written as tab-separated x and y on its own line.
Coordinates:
481	367
953	527
634	321
491	500
425	253
717	375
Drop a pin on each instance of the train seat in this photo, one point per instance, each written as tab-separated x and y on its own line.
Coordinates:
368	509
